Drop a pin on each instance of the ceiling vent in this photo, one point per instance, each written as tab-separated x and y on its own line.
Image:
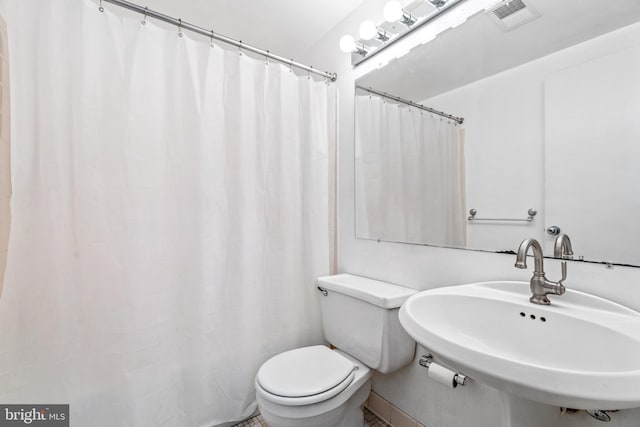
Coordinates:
510	14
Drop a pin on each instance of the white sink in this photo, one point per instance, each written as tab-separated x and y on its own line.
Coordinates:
580	352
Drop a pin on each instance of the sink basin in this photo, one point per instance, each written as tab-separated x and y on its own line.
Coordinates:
580	352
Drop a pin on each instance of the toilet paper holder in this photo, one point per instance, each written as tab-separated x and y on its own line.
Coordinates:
458	379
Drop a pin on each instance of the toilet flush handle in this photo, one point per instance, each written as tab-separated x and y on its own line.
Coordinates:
324	291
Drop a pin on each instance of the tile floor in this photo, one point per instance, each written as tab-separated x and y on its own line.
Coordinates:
251	422
370	420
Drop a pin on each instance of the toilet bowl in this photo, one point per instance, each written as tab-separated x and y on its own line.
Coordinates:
314	387
319	387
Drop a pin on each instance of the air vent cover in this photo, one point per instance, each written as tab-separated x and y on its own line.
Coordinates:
511	14
509	8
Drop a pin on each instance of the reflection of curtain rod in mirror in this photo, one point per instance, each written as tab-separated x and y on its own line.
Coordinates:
458	120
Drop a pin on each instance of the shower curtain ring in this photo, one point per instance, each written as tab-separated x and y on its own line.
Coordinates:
211	44
240	48
180	27
291	66
100	8
266	59
144	17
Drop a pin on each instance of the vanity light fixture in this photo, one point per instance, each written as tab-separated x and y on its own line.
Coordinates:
369	30
447	14
393	12
348	45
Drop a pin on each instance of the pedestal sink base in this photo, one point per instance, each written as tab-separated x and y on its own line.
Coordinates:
518	412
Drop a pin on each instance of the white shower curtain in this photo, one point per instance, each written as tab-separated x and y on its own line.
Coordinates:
170	215
409	175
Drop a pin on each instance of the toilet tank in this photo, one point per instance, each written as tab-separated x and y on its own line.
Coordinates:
360	317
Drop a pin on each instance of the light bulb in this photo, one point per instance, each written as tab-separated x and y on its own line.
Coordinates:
347	43
368	30
392	11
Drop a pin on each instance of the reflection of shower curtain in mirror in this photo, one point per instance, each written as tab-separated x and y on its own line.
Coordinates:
409	174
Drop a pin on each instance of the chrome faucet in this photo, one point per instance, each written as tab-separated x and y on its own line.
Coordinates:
540	286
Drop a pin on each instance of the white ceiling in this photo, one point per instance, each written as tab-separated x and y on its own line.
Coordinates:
284	27
480	48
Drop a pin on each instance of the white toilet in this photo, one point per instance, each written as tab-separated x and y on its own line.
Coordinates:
319	387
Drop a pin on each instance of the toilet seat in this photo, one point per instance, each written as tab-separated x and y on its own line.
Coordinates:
305	376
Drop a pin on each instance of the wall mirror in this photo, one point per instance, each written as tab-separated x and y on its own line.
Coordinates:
548	97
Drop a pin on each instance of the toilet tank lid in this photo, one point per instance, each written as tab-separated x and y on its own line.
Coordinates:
382	294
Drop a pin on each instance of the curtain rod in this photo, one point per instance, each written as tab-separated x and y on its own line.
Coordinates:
209	33
459	120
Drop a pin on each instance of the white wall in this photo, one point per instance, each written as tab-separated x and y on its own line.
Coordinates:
423	267
595	132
